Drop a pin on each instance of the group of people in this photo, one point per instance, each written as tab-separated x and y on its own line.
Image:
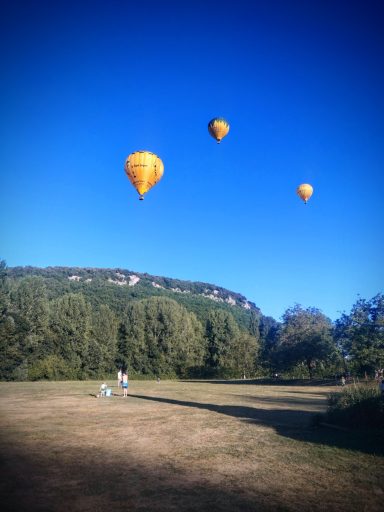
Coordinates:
122	382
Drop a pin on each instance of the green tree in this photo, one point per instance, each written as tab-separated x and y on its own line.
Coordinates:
31	306
305	338
243	355
221	331
102	350
360	334
254	324
11	331
159	336
132	350
71	326
269	335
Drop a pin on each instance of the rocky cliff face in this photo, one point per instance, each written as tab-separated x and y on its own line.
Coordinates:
122	278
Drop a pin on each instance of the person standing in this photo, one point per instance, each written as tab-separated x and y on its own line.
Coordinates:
381	387
119	378
125	384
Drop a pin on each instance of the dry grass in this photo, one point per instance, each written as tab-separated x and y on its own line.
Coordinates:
181	446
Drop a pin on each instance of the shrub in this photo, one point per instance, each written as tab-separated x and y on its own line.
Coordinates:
357	406
51	368
20	372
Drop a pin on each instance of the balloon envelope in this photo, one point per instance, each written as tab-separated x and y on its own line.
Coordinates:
304	191
218	128
144	169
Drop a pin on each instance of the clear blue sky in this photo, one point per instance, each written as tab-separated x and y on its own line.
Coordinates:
301	83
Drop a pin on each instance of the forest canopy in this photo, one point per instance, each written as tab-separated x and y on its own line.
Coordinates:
77	323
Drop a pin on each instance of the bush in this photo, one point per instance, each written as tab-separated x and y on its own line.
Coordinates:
357	406
21	372
51	368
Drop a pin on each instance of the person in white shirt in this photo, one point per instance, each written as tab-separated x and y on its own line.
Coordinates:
103	389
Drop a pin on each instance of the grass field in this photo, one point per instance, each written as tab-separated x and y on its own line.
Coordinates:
181	446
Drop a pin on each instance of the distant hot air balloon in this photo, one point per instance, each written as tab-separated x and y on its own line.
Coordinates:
304	191
218	128
144	169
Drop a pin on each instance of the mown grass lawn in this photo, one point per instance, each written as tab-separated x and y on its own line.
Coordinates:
181	446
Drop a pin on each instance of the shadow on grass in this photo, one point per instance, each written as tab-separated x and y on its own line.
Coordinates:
293	424
82	481
317	399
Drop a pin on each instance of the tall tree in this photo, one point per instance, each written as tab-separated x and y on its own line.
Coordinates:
162	337
242	356
11	354
71	326
102	348
254	324
360	334
132	350
269	335
31	305
305	337
221	331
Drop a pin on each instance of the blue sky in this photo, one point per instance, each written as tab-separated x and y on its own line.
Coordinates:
301	84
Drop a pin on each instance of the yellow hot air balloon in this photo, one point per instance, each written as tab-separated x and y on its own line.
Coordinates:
218	128
304	191
144	169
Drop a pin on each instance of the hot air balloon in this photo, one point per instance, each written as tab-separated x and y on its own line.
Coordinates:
144	169
218	128
304	191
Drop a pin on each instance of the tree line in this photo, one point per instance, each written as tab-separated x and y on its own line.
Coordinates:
69	335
